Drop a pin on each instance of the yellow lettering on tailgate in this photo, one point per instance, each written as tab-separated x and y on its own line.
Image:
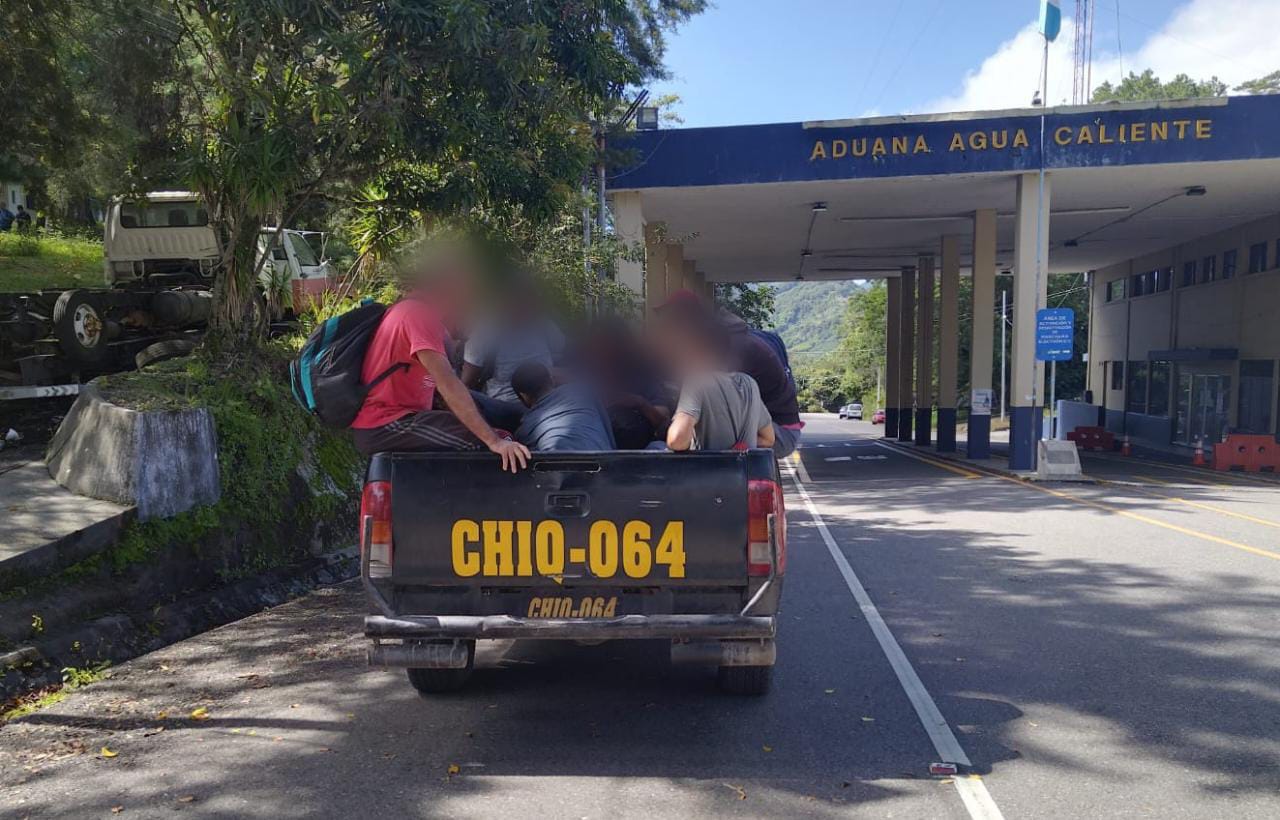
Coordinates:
465	563
524	548
602	555
498	549
549	542
671	549
637	560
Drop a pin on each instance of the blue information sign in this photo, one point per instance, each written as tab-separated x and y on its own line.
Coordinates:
1055	332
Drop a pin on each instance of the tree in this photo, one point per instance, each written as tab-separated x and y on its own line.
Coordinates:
1269	84
1147	86
754	303
442	108
861	353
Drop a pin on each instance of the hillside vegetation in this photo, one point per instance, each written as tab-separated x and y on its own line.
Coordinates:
808	314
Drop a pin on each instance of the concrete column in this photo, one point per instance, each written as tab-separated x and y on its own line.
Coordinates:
924	353
982	346
655	266
628	224
675	267
948	343
689	277
906	354
892	352
1026	396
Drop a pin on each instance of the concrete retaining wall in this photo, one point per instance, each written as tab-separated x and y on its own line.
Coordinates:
161	461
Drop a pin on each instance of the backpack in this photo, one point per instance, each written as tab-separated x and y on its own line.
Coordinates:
326	375
779	348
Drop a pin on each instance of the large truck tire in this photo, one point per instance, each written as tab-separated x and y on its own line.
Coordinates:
163	351
440	681
80	323
746	680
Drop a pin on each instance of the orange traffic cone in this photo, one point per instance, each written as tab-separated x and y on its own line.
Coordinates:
1197	460
1124	447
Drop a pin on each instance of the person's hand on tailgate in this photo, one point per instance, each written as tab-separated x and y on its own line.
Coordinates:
514	455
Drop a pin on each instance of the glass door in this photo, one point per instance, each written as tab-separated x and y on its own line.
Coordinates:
1202	407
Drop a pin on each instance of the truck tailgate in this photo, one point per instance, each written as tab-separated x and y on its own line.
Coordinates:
618	519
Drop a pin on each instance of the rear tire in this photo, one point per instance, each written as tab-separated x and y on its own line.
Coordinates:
80	323
439	681
745	680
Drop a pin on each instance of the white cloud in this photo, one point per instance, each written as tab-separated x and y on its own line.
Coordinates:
1202	38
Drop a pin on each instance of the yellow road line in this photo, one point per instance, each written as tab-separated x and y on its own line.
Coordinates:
1098	505
1226	542
939	463
1265	522
1215	476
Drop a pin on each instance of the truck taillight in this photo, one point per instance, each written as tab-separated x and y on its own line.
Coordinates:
764	498
375	525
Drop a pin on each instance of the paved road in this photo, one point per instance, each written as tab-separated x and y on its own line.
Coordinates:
1106	650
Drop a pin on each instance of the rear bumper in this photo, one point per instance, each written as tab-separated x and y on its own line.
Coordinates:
470	627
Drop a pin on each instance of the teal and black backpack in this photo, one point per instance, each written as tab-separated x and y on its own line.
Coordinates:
326	376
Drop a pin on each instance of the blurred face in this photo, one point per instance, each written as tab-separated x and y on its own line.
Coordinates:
681	348
449	288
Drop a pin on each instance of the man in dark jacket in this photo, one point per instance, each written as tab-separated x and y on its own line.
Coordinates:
568	417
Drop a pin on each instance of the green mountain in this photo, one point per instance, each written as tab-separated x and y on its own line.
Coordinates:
807	314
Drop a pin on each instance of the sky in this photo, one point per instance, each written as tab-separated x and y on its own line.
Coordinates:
753	61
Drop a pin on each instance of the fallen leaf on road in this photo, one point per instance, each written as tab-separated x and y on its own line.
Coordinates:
742	795
117	809
187	798
829	691
453	768
162	715
200	714
294	705
235	731
767	748
107	752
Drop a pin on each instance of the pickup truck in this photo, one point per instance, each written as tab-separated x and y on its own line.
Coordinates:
688	548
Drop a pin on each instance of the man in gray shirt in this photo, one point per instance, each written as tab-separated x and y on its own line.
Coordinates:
720	411
717	410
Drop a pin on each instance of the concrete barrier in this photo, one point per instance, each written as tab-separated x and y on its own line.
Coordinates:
162	462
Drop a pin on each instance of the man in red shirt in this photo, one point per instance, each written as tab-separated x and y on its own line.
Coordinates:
398	413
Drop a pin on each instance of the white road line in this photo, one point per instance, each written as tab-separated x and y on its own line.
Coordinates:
973	792
839	458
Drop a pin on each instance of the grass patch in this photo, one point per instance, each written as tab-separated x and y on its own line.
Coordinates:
73	678
282	472
31	262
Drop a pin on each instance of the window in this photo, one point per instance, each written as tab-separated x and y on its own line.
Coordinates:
163	215
1258	257
1162	279
1159	402
1115	290
1229	263
1189	273
1135	388
1117	376
1209	269
302	249
1256	381
1139	284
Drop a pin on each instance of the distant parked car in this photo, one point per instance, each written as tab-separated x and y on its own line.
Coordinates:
855	411
877	417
